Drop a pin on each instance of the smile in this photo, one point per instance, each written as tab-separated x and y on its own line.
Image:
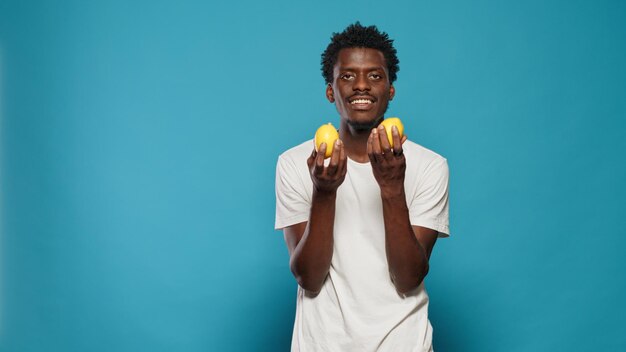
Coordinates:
361	101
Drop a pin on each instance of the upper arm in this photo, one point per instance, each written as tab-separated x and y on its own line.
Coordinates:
426	237
293	198
293	234
429	206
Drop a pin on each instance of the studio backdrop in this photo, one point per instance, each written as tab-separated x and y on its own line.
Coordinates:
139	142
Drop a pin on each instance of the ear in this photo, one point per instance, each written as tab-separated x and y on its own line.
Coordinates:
329	93
392	92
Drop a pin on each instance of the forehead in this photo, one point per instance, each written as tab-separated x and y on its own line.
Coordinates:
360	58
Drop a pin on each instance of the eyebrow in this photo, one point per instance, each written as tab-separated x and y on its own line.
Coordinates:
372	68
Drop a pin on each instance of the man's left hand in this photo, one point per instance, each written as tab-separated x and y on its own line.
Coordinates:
388	164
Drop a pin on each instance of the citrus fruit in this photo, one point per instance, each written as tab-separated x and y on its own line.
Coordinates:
393	121
326	134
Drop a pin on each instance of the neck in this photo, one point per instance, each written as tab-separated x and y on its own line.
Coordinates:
354	138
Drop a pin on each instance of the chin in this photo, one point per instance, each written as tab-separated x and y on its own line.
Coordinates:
364	125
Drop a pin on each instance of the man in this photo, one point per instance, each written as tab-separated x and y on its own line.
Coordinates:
360	228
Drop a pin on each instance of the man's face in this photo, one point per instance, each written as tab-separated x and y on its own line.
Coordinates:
361	89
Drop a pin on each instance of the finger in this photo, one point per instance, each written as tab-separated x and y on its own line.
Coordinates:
404	139
370	147
377	152
385	144
384	140
343	161
311	158
397	144
319	159
334	159
376	149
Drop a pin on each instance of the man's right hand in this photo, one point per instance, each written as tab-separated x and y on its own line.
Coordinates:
310	243
328	179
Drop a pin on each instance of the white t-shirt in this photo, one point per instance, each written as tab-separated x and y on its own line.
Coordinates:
358	308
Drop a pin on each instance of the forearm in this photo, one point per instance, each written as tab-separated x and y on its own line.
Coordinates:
311	259
407	259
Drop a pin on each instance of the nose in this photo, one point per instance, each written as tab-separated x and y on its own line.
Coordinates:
361	83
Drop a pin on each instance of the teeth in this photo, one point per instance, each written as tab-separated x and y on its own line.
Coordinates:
361	101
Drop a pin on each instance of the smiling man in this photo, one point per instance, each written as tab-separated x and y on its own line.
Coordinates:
360	229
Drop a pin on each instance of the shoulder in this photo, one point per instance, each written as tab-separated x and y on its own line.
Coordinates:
294	159
300	152
419	155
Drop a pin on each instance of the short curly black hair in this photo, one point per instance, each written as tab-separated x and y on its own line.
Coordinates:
358	36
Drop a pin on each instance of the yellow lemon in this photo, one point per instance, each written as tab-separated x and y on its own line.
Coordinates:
393	121
326	134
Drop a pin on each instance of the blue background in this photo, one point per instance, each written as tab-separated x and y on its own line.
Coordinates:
139	142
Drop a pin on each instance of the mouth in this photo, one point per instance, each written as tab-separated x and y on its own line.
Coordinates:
361	102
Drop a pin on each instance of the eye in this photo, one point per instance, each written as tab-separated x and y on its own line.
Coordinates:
346	76
375	76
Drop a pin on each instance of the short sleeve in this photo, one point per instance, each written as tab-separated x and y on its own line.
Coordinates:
429	206
292	201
